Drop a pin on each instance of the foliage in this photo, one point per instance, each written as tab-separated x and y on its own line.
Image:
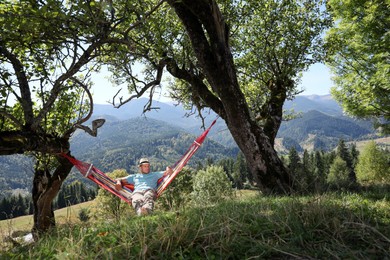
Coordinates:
36	46
14	206
275	41
346	155
338	174
108	205
345	226
358	49
177	194
46	49
373	165
74	193
211	185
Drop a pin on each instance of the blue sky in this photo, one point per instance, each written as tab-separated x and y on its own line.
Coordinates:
315	81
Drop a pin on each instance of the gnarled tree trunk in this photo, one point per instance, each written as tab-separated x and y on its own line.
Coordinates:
45	188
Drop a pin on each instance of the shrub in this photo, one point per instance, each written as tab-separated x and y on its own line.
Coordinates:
108	205
211	185
177	194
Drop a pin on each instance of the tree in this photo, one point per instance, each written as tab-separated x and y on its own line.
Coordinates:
358	55
240	172
373	165
320	172
42	50
343	153
260	66
338	174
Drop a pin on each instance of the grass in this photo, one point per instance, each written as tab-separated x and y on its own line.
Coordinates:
329	226
22	225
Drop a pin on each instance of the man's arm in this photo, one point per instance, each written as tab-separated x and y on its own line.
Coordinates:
120	182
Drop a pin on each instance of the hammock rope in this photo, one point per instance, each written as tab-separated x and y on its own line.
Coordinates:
89	171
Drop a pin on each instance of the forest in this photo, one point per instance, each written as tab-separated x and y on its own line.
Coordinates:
241	59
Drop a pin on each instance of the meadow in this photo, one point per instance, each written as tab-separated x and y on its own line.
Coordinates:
250	226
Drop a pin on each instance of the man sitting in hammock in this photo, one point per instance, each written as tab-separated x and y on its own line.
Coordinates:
145	185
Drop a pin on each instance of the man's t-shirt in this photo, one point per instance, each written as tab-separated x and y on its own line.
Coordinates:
143	181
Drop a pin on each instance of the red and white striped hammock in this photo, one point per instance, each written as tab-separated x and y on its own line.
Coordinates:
91	172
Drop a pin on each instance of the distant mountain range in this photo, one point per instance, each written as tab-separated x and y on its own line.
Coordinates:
320	124
165	134
324	104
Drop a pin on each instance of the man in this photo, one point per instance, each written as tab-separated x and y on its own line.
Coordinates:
145	185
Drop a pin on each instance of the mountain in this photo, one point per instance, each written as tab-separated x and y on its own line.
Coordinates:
165	134
120	144
325	104
170	113
316	130
320	124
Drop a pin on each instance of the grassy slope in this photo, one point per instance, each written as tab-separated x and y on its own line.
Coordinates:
23	225
330	226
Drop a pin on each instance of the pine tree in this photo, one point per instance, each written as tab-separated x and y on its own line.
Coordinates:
240	171
343	153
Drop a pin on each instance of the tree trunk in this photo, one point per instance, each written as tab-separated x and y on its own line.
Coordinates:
45	189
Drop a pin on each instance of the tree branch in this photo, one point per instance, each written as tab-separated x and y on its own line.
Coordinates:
25	100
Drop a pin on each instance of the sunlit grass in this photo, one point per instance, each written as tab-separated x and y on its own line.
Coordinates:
329	226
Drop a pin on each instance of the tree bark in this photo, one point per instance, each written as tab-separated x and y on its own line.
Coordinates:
45	189
18	142
209	37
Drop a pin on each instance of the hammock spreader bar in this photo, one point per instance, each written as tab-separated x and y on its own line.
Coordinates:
94	174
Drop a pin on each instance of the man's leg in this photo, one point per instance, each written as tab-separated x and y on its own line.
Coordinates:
149	198
137	200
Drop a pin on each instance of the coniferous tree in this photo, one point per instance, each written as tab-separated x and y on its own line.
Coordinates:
294	160
320	172
296	170
354	155
307	171
240	171
344	154
4	208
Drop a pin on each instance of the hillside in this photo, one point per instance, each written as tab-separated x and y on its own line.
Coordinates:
325	104
321	131
119	145
165	134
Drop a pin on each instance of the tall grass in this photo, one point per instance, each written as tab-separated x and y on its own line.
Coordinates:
330	226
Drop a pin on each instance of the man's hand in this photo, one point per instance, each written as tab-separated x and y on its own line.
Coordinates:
168	171
118	185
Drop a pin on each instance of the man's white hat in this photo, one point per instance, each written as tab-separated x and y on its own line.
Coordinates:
143	161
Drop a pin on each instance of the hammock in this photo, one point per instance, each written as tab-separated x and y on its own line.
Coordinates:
94	174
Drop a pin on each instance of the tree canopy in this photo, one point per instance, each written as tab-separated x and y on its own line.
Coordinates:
358	54
242	59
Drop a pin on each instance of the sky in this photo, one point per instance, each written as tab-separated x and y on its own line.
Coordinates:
315	81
